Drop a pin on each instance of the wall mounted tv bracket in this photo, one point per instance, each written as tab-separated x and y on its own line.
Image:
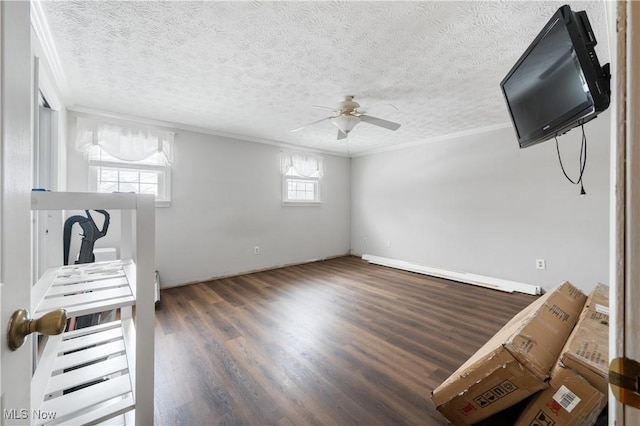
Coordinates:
590	42
90	235
606	73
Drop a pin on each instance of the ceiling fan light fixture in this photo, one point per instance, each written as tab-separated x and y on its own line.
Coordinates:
347	116
345	123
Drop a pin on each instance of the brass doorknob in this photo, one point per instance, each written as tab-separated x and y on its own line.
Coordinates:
21	325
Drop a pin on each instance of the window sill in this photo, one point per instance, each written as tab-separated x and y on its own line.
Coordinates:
302	203
163	203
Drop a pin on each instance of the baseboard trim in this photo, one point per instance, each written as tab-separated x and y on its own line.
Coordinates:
478	280
253	271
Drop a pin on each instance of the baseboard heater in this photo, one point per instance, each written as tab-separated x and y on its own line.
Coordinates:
479	280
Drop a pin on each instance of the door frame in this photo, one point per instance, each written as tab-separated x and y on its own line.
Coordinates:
625	201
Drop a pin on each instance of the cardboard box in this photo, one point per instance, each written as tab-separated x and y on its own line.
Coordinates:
569	401
515	362
587	348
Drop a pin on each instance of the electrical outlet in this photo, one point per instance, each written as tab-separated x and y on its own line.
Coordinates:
541	264
388	243
256	250
364	240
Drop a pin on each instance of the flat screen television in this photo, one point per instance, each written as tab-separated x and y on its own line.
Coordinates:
558	83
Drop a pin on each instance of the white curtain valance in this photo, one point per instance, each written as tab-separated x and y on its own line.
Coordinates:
126	143
303	165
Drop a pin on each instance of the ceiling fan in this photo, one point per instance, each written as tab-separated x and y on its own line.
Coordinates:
347	116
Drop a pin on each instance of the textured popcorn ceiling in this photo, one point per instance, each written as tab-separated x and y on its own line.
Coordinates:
254	69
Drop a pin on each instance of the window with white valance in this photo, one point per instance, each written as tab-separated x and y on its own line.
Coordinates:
301	175
127	158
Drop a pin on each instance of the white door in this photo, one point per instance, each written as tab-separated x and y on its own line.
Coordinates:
15	186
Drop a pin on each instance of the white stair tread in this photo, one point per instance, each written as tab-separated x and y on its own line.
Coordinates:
88	355
95	267
67	289
78	402
76	301
91	330
71	274
98	338
84	277
103	413
95	370
100	305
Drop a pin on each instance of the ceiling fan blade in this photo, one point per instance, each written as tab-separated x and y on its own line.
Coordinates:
341	134
379	122
311	124
325	107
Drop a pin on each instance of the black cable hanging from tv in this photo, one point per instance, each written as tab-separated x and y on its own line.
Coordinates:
583	161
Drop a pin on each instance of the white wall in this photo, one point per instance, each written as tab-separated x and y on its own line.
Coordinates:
478	204
226	199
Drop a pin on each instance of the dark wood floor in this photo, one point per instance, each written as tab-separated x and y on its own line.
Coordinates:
334	342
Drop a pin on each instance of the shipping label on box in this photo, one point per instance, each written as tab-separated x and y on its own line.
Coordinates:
569	401
515	362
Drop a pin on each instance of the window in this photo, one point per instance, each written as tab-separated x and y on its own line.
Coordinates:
107	174
127	159
301	177
120	179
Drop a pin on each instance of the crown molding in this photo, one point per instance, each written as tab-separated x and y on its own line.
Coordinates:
455	135
40	26
178	126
